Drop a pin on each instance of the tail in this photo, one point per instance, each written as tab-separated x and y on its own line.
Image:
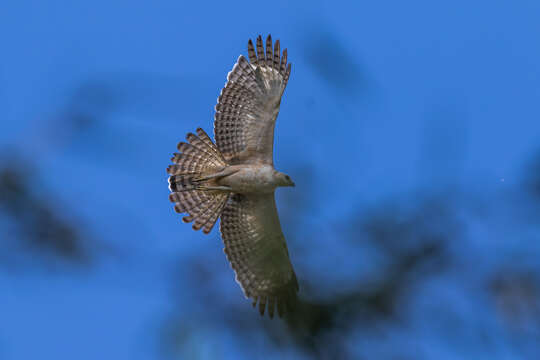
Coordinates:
198	158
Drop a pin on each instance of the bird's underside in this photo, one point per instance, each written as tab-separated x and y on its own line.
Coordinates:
234	179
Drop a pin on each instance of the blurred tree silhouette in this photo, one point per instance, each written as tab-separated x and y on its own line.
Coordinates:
323	51
517	297
36	224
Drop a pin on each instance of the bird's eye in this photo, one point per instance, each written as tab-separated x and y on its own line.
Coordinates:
287	177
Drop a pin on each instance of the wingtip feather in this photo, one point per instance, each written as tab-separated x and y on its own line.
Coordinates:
251	52
260	51
262	305
269	55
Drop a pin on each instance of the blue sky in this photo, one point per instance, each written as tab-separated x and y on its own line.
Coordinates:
386	99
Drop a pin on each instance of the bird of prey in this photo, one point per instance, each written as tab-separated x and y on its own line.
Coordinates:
234	179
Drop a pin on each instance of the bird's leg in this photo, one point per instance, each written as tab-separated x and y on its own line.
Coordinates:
225	172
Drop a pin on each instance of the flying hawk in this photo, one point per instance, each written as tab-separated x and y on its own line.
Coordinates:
234	179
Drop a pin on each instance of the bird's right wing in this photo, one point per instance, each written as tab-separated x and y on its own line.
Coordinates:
249	103
256	249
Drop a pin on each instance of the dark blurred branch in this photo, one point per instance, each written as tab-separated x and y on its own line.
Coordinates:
517	297
37	220
333	62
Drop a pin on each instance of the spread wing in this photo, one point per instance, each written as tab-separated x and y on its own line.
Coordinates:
248	105
256	249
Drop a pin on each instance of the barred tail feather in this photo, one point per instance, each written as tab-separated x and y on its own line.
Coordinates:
208	218
197	158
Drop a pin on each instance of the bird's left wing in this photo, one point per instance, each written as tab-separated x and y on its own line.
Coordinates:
256	249
249	103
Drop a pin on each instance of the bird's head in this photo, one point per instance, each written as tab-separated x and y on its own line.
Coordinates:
284	179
